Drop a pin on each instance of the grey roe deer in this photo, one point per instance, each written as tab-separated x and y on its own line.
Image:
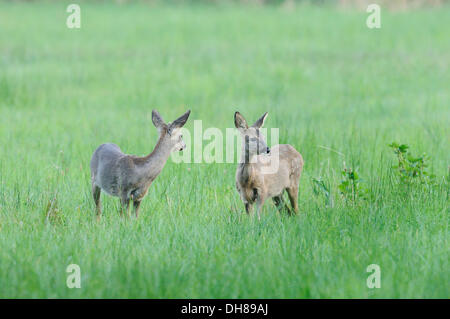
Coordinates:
129	177
266	173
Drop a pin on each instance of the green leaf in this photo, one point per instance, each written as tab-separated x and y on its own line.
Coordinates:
403	148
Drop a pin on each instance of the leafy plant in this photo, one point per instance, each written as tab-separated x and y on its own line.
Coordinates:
410	168
350	186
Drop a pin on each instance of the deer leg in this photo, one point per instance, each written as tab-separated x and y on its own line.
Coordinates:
125	204
293	197
96	191
248	208
136	206
280	203
259	204
277	200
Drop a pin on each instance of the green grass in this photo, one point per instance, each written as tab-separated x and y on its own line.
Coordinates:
326	80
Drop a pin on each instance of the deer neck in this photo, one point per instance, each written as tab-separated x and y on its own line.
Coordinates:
154	162
246	157
248	163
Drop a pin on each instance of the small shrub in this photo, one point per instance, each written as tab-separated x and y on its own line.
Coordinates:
409	168
350	187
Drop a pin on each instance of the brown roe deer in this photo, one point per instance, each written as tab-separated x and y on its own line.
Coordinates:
266	173
128	176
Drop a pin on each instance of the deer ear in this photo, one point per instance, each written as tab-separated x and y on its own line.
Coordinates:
157	120
179	122
240	122
260	122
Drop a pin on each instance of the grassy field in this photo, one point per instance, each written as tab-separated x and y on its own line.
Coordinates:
337	90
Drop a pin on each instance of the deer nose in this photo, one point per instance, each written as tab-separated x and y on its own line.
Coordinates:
268	150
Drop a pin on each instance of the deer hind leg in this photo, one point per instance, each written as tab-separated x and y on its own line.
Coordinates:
277	201
280	203
96	191
293	197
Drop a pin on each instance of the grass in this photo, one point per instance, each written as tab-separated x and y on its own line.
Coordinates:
329	83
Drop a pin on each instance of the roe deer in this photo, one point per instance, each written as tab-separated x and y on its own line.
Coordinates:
256	180
129	176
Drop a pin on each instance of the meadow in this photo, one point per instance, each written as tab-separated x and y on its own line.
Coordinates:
338	91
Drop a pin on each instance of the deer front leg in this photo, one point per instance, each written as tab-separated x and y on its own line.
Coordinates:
259	203
125	204
248	208
136	205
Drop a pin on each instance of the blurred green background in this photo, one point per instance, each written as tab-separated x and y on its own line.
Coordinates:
338	91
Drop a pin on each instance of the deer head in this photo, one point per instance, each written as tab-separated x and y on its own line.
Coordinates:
170	133
254	142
